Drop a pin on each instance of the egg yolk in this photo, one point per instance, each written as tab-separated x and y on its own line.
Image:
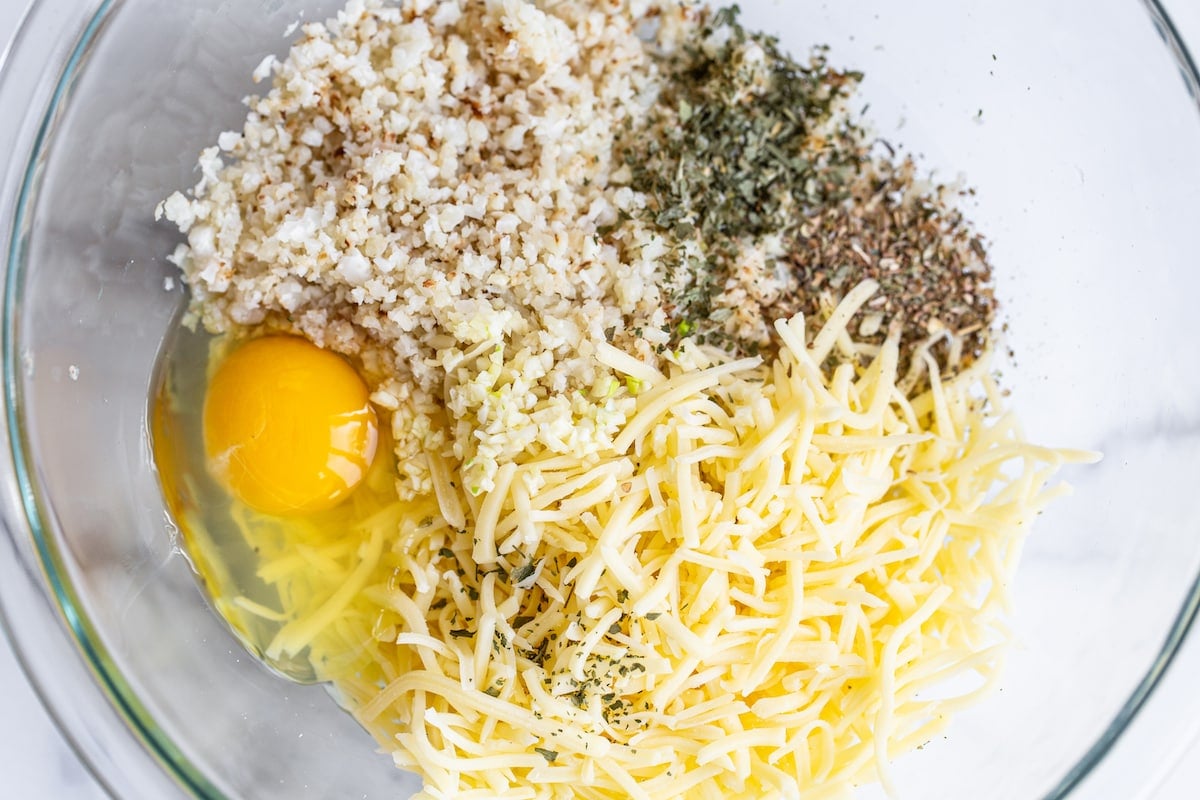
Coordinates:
288	427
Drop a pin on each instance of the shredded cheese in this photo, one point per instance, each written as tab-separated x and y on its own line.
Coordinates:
749	595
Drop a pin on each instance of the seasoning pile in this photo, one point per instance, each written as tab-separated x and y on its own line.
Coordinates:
701	478
777	201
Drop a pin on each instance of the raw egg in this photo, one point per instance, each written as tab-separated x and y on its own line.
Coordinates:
288	427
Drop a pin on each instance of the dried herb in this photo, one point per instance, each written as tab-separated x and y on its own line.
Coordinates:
740	151
524	575
932	267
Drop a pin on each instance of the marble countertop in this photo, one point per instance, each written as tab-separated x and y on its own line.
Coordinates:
1158	759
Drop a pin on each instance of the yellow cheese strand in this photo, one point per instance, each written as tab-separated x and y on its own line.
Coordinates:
744	599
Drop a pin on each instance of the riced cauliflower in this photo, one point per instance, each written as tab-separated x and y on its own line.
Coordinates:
422	190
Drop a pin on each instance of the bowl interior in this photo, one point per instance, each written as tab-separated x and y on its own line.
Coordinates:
1071	121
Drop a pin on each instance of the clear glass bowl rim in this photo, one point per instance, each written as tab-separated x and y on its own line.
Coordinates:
73	622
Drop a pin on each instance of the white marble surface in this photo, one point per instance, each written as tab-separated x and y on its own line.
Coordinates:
36	761
1159	759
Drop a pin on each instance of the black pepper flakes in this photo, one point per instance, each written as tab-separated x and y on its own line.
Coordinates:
932	268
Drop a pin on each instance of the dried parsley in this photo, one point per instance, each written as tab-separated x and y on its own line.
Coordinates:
524	575
739	151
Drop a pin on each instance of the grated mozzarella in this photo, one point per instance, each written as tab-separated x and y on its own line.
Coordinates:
751	594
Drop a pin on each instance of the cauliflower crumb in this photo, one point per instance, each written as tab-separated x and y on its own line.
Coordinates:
423	189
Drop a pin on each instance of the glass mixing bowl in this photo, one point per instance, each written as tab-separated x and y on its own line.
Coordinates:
1076	121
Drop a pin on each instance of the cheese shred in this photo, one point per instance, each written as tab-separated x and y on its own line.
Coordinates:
779	578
